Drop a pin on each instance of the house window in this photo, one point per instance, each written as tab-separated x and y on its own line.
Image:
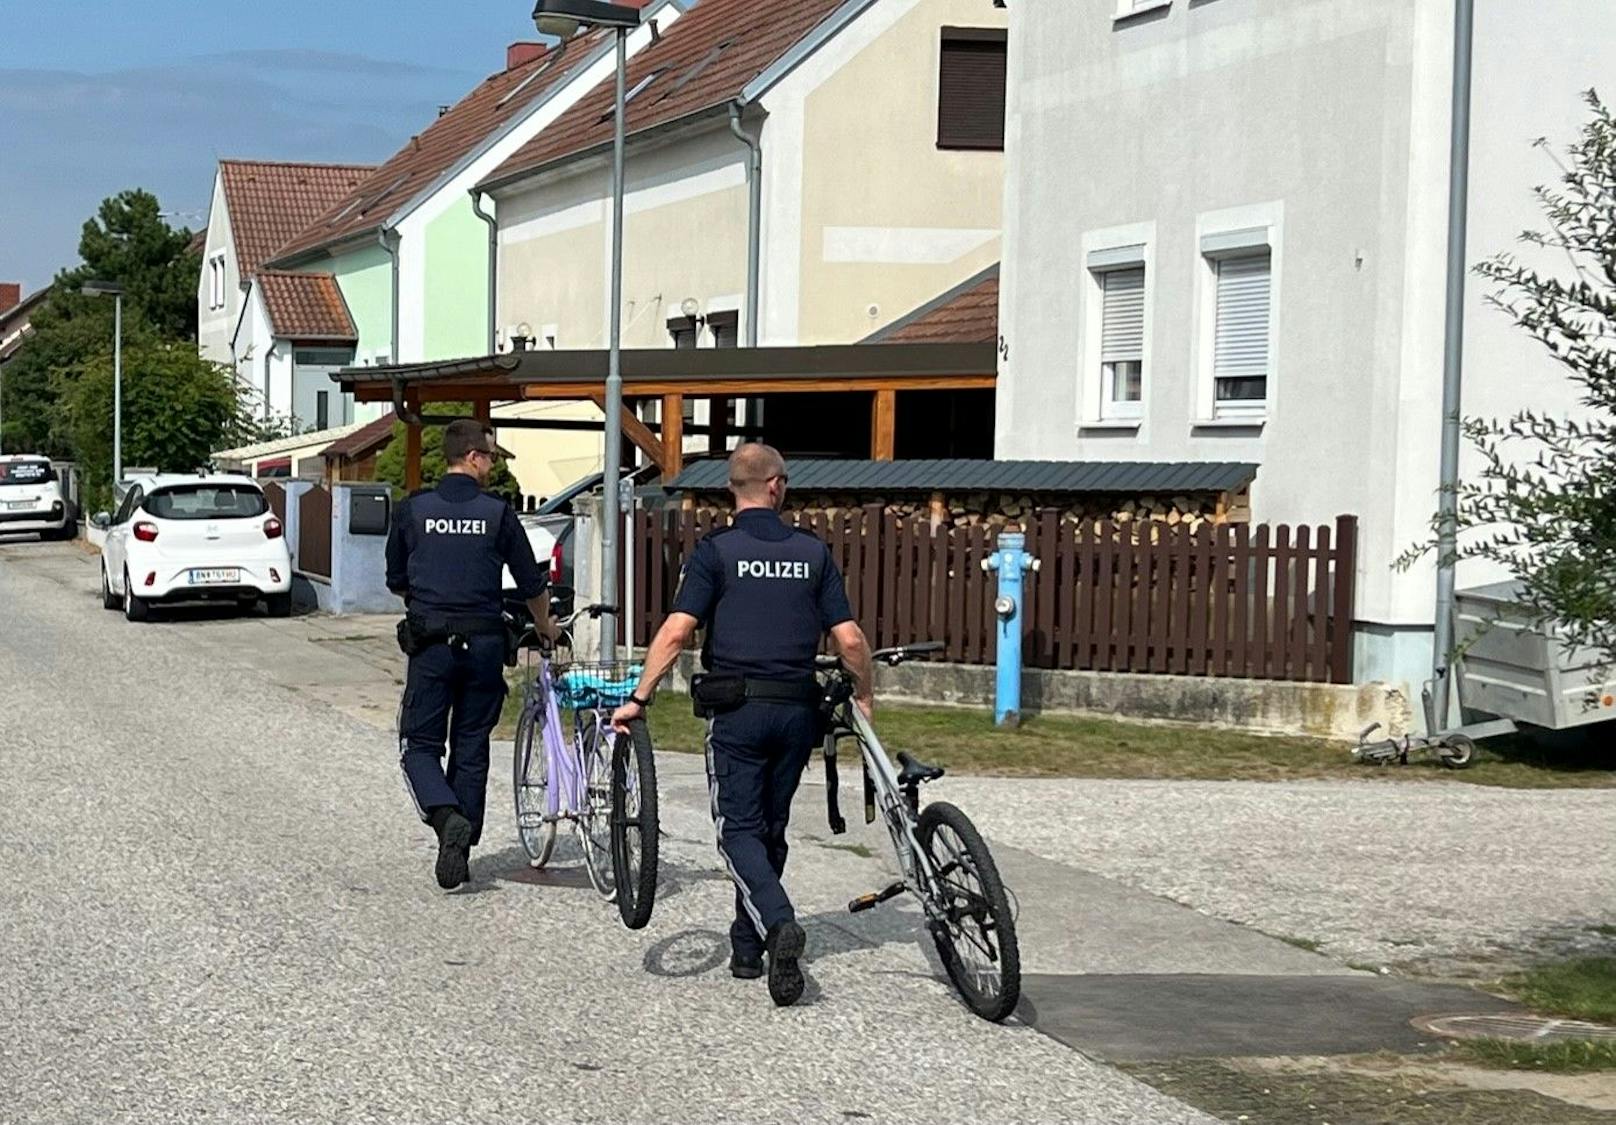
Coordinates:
683	331
1122	340
726	329
970	89
322	410
216	282
1241	332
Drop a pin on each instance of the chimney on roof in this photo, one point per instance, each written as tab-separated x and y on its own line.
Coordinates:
10	295
520	53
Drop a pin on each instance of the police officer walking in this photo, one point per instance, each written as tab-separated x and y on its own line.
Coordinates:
766	594
445	554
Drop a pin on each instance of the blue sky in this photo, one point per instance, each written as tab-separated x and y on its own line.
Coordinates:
100	95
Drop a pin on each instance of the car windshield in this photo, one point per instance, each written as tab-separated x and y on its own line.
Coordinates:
207	502
26	472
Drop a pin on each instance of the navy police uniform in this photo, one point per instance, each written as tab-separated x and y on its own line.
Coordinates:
445	557
767	594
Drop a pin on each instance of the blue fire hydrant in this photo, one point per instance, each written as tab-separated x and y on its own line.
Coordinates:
1011	561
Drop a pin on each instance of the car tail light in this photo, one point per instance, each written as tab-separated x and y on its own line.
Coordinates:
146	532
555	563
151	578
272	528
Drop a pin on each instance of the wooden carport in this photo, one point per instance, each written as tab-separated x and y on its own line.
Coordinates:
670	376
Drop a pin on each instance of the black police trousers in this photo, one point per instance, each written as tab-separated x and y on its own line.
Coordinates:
755	758
452	694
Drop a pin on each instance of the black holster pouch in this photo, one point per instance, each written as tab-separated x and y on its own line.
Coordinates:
714	695
415	636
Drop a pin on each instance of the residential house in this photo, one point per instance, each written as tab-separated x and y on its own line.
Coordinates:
861	142
407	248
258	206
1225	240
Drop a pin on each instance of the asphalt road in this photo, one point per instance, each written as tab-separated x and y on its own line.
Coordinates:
217	906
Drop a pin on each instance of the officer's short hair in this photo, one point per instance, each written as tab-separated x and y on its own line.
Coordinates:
462	436
751	467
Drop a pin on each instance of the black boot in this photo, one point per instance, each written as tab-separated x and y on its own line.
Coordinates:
454	847
745	966
785	944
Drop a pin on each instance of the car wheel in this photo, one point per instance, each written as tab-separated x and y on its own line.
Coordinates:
109	600
135	608
279	605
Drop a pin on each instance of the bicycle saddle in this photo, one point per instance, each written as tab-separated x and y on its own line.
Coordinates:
914	772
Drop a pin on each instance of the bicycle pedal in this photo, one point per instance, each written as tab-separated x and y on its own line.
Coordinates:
866	902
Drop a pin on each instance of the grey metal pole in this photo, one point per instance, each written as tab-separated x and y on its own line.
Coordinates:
611	502
1453	360
117	389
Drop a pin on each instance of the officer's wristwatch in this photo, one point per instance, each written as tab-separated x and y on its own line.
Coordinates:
642	704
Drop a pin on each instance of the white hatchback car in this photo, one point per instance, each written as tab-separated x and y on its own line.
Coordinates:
31	499
183	538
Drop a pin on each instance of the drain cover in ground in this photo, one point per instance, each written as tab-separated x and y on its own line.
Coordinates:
1522	1027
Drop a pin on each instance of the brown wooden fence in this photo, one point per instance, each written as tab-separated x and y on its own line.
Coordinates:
1253	602
276	495
314	532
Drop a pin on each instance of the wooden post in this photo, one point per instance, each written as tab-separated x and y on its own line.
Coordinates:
717	425
412	448
482	410
673	436
884	425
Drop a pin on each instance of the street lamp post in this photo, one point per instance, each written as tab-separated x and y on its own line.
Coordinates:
115	291
565	18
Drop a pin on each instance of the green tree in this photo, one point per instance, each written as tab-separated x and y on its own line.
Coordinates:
177	409
390	463
1544	504
128	242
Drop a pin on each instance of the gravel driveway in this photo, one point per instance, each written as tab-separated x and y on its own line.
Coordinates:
1449	876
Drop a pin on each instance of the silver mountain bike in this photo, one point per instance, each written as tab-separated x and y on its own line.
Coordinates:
945	862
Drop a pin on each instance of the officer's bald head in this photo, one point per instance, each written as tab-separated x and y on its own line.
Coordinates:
757	476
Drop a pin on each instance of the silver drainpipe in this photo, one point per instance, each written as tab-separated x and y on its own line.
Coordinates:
477	197
1453	365
754	226
389	243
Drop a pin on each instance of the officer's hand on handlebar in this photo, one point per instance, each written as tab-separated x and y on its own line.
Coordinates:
626	714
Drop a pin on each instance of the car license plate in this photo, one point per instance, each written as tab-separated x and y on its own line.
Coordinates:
216	576
19	505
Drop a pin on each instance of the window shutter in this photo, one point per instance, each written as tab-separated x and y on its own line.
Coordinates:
1241	347
1122	327
970	89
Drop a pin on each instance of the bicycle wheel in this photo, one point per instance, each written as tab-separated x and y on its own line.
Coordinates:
530	782
634	825
976	937
594	818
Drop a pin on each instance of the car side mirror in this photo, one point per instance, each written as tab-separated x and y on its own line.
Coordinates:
102	520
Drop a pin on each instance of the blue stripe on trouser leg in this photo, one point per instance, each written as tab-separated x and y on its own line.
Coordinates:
755	758
452	696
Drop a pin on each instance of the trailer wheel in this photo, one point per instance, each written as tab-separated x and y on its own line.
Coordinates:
1457	752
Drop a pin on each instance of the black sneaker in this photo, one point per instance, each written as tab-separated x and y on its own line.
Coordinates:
454	851
745	967
785	945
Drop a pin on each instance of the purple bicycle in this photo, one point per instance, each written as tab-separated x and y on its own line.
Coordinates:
568	764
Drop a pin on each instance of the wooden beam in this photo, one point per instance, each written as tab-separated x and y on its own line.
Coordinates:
733	387
635	430
482	409
673	435
412	448
884	425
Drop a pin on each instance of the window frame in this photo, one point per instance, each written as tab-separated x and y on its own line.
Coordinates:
1106	251
992	35
1219	236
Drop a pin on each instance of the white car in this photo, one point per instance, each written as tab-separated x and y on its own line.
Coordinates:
31	499
182	538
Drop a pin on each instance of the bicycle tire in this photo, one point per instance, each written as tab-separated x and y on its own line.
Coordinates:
531	798
594	819
635	825
987	905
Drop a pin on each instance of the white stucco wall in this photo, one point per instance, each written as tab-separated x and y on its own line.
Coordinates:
215	327
263	363
1328	123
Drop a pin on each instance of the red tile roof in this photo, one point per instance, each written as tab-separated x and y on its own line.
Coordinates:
369	437
966	314
305	306
270	202
702	61
434	151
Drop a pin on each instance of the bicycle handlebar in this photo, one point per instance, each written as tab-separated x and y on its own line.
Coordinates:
891	657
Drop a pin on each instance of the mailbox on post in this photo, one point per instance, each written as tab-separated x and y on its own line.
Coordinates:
369	510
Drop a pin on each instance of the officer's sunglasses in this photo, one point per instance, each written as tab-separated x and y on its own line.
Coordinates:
488	453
